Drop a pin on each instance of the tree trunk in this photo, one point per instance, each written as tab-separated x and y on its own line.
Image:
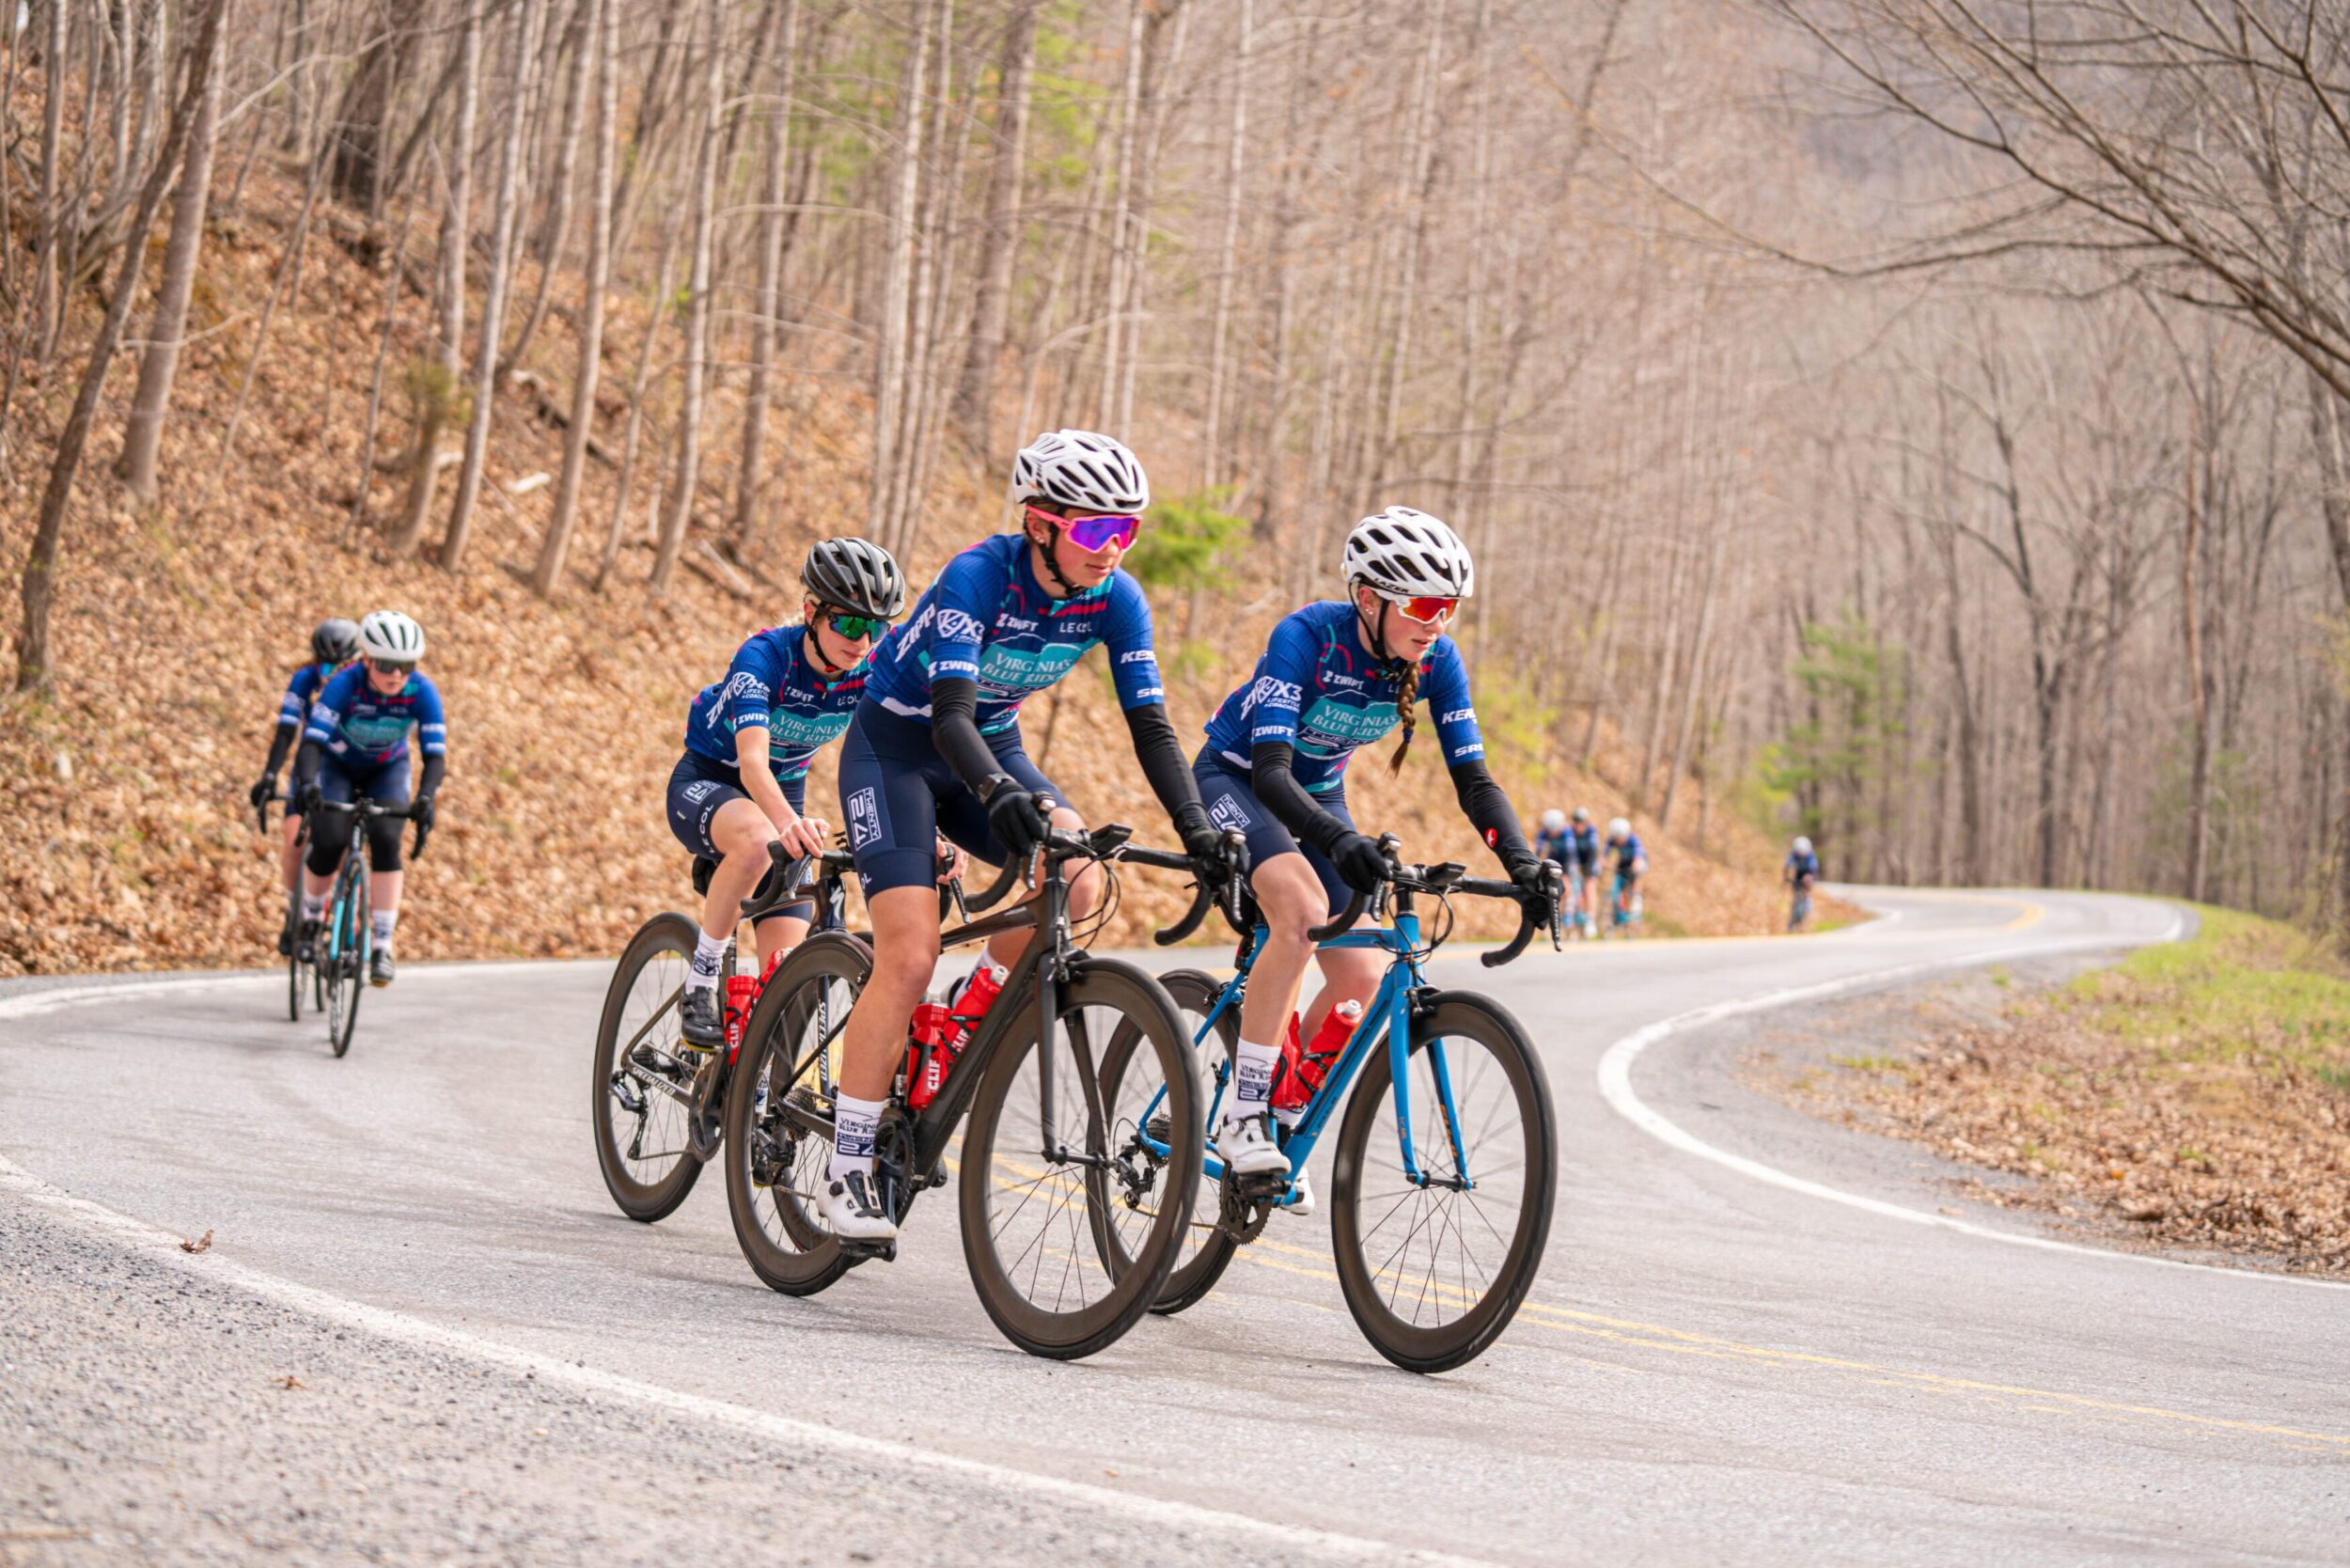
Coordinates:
506	220
890	357
749	476
991	312
679	510
151	404
604	27
557	227
2191	615
358	127
46	287
449	331
1227	253
40	565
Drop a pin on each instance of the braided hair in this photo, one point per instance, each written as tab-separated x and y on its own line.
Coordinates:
1407	699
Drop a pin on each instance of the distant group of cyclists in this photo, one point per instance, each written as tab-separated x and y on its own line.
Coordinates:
932	767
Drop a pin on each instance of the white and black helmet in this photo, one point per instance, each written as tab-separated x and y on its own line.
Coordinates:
1408	554
336	641
855	574
391	636
1080	471
1554	821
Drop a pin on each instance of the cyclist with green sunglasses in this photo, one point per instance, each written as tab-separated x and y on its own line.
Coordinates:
749	738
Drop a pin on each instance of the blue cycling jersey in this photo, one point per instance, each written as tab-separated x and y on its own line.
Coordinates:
1552	846
1804	864
1585	839
989	621
302	691
1318	691
773	685
361	727
1629	853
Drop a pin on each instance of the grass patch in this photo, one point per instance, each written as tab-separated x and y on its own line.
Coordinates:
2239	986
1870	1064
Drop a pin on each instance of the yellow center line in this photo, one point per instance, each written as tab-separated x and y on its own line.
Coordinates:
1647	1336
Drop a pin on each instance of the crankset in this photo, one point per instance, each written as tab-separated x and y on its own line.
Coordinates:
1244	1203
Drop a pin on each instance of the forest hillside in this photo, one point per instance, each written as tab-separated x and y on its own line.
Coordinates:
125	839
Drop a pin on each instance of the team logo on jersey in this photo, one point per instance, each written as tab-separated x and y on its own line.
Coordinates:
864	819
958	626
743	683
1228	815
1270	693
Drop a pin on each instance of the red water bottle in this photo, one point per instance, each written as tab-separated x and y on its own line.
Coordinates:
742	991
1304	1068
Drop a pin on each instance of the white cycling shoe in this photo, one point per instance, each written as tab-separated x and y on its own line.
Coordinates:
1249	1148
1301	1201
853	1210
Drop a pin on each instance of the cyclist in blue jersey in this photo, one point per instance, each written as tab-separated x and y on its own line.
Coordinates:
936	747
1583	846
749	738
356	747
1338	676
334	643
1799	872
1630	864
1577	861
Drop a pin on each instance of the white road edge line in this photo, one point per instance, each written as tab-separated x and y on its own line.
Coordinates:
164	1246
1615	1087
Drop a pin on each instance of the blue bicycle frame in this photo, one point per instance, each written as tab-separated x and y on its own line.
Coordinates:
1387	1019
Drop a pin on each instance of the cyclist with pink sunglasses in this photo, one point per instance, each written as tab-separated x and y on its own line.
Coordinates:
1336	676
935	749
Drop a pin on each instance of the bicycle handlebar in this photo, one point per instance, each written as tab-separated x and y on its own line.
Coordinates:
1446	877
794	869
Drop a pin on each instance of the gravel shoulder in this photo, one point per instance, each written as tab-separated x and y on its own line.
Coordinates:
149	1415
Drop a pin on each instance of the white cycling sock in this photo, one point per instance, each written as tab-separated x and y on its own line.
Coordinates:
1252	1081
708	952
385	920
313	905
854	1124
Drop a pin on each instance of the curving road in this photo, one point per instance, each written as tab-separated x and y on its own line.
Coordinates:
1756	1338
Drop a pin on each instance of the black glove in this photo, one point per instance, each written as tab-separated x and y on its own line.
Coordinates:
1208	849
312	797
420	812
1538	879
1013	817
1360	864
264	790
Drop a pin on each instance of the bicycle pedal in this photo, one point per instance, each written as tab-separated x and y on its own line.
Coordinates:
869	1251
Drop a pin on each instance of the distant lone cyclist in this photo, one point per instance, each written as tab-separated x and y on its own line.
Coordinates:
1802	868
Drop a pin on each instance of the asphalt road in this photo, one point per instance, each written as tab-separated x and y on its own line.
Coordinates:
1756	1338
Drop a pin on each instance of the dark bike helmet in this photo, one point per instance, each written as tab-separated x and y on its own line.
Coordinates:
336	641
857	576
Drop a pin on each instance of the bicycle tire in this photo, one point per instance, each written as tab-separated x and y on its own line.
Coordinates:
1206	1249
642	1200
1412	1345
805	1257
293	954
1055	1333
347	923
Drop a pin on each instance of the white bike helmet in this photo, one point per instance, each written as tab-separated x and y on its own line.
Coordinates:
1803	845
1582	813
1618	829
1554	822
391	636
1082	471
1407	554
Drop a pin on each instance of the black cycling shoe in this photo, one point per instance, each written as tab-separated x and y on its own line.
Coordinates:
306	944
285	939
380	967
699	1020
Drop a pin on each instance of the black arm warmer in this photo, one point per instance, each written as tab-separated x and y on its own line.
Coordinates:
1286	799
955	731
280	743
306	761
435	765
1163	765
1490	809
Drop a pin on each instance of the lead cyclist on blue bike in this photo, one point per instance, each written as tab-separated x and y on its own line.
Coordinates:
1338	676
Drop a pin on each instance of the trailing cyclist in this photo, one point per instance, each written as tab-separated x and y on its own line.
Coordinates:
935	749
1336	676
334	643
1630	859
1799	872
1574	848
356	747
749	738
